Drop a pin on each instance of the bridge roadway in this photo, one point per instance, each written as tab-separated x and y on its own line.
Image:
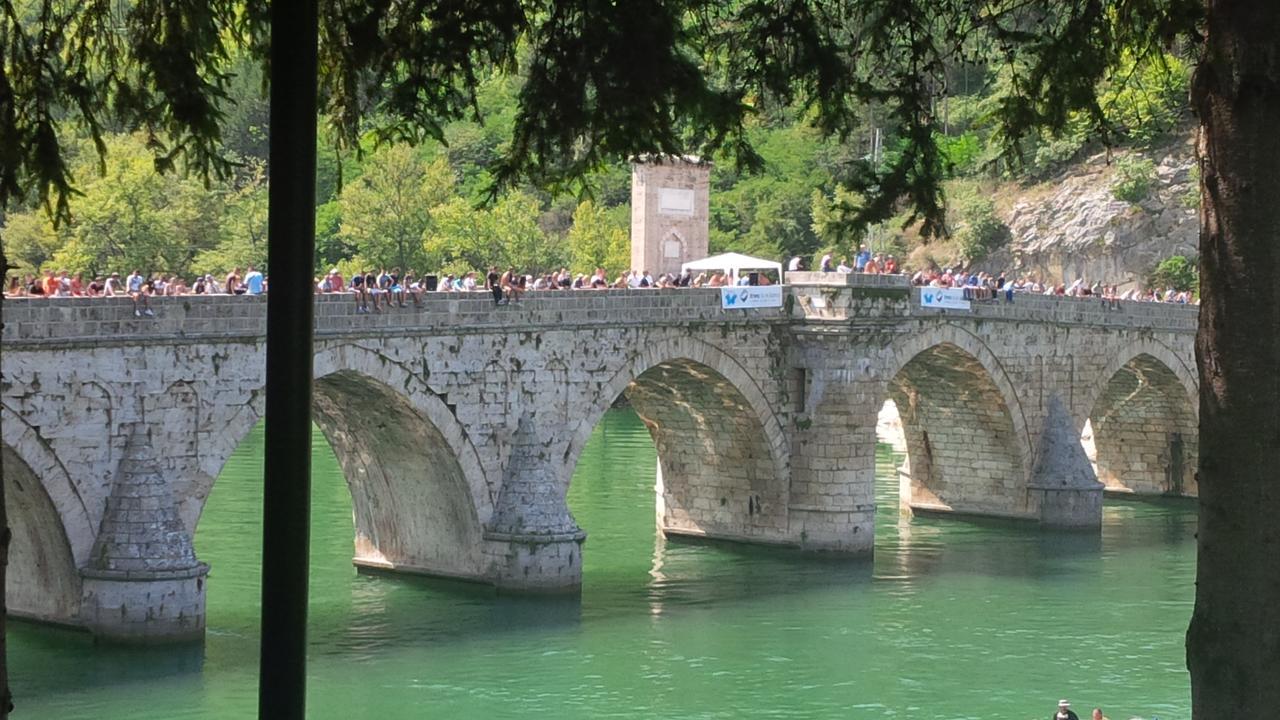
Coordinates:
458	425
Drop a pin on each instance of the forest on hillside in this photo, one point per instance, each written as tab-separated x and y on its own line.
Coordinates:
431	206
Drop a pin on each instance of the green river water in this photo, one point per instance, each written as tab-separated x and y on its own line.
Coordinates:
953	619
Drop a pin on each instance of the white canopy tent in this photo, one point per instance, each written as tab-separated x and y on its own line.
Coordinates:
732	263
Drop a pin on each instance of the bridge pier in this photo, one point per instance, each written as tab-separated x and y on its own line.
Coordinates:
536	562
533	543
833	460
143	583
1063	483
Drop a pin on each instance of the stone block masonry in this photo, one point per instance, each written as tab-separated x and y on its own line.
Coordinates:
116	427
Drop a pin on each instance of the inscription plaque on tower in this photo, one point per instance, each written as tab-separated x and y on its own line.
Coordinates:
675	201
670	213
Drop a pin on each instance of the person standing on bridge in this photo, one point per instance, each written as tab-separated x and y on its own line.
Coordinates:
862	258
493	283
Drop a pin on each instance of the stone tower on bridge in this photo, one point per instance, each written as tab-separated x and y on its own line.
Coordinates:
670	212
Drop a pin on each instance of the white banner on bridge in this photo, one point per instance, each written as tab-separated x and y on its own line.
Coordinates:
745	297
946	298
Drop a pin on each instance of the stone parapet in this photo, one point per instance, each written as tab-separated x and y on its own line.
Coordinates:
820	298
816	297
109	320
1074	311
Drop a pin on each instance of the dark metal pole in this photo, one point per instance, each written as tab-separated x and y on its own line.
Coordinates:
286	526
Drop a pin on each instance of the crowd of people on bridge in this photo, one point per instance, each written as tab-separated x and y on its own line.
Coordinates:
984	285
864	261
372	291
997	285
390	288
386	288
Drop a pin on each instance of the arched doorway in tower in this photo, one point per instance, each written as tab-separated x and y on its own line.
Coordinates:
673	253
1141	433
680	452
963	446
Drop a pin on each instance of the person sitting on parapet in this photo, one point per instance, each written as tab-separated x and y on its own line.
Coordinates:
134	284
375	293
512	284
1064	712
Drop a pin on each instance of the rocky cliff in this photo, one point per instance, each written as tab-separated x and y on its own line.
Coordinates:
1074	226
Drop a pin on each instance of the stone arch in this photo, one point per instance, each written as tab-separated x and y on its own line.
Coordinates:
968	449
52	529
1182	368
722	460
419	493
1142	432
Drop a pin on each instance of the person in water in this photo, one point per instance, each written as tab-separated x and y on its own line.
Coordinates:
1064	712
1097	714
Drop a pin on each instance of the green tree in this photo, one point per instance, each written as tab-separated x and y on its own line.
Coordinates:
30	240
1175	272
132	218
833	218
599	238
243	232
331	247
464	238
387	210
978	228
1133	179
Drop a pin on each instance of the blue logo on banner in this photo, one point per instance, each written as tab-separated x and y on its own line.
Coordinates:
730	299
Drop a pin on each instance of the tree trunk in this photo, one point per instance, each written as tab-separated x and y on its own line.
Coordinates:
1233	644
291	243
6	697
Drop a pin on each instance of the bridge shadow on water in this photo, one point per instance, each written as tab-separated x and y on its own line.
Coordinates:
923	547
683	574
83	664
686	574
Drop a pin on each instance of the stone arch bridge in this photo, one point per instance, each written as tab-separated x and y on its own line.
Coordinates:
458	425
